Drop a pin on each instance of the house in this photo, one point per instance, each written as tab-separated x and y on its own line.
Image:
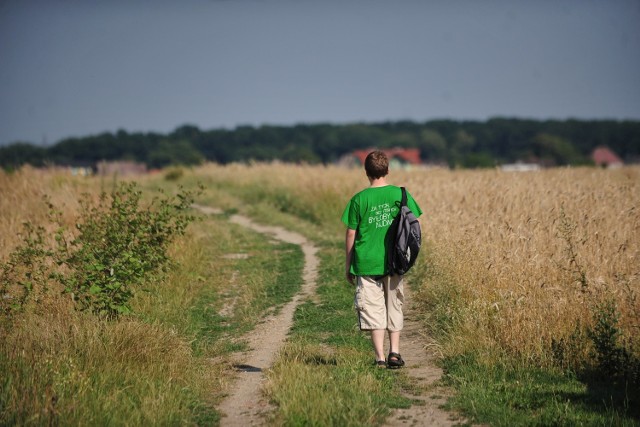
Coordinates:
603	156
399	158
520	167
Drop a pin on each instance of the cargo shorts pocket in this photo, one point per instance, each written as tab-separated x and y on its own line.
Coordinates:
358	299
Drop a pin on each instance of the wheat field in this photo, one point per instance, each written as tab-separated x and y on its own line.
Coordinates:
533	253
519	261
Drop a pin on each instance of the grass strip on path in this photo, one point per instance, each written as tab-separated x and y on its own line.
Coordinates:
325	374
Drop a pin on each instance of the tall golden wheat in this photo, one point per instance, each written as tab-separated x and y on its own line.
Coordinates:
533	253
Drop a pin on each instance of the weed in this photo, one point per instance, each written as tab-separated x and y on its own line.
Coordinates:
174	173
615	360
118	246
566	230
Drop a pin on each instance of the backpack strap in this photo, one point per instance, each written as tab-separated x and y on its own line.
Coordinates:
403	202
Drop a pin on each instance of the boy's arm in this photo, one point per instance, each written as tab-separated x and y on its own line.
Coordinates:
349	241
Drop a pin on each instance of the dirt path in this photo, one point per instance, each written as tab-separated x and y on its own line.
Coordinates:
245	405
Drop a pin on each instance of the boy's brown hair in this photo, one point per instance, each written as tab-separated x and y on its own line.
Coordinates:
376	164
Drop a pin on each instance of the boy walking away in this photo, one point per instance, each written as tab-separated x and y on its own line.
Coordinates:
379	295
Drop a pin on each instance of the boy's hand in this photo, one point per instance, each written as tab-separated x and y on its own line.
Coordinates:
351	278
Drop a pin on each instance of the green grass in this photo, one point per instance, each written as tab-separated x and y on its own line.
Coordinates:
261	283
530	396
495	389
304	212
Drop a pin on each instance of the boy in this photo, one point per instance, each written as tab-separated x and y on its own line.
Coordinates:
379	296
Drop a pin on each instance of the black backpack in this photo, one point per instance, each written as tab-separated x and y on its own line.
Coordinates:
404	239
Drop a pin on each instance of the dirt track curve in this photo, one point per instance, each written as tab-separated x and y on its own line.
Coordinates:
246	406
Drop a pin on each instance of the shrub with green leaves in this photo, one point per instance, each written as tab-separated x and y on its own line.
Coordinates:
117	245
615	359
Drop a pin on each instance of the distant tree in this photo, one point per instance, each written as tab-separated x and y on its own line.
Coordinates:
433	147
216	145
478	160
554	150
15	155
190	133
169	153
401	139
461	147
360	136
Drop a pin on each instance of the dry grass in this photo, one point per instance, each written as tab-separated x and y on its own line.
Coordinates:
66	365
314	193
22	199
61	364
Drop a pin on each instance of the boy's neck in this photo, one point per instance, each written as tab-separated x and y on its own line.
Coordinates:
378	182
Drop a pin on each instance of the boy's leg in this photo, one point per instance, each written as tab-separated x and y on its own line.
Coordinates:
372	313
377	338
394	341
394	301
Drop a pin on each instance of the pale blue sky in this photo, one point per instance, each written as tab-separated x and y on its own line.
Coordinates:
73	68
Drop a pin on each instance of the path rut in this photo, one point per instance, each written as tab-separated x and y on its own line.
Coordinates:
245	404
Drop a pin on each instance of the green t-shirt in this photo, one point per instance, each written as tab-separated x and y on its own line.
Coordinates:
370	212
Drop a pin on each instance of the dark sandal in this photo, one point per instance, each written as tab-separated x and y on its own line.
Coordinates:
380	363
395	361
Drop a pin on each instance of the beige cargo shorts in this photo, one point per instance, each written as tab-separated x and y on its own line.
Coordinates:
378	302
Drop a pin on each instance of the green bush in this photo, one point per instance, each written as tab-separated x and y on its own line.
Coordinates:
117	245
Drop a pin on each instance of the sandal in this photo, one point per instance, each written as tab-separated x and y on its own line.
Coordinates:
395	361
380	363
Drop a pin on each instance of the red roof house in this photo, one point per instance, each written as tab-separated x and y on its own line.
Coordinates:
397	156
603	156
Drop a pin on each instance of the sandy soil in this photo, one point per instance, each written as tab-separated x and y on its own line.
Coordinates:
423	373
246	406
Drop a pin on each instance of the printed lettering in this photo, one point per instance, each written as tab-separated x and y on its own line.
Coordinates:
382	215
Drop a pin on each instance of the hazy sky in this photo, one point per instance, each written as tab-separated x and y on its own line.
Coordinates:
79	67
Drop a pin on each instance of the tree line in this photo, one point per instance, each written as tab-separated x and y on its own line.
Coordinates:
465	144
